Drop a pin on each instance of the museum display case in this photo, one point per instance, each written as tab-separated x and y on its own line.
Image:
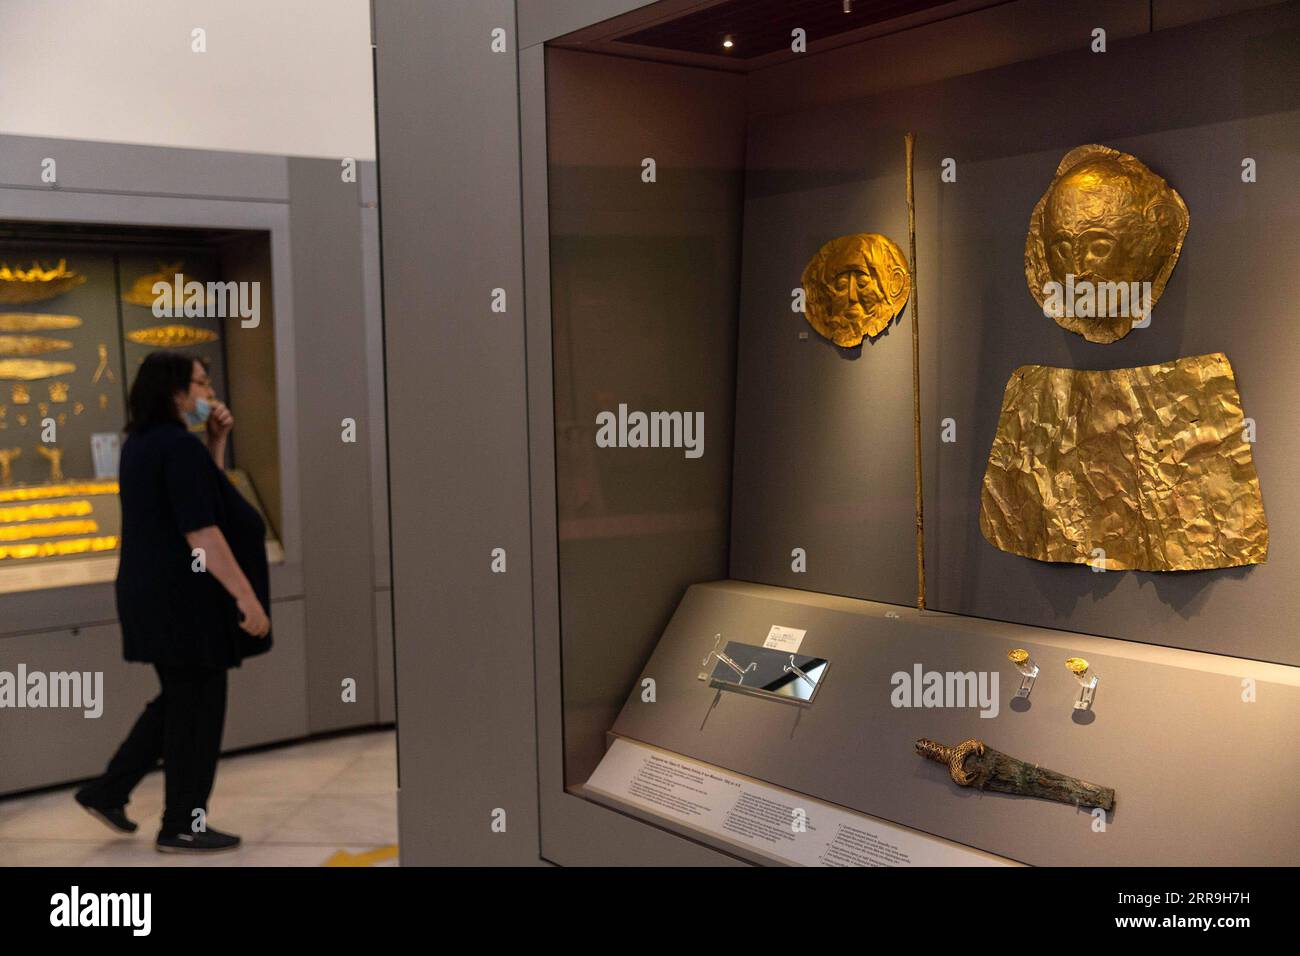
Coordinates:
302	245
913	410
80	307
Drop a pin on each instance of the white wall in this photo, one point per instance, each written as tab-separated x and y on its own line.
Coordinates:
279	76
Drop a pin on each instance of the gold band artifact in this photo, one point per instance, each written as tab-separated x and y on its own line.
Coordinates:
1107	231
47	529
171	336
31	345
854	287
36	322
67	546
54	509
1145	469
28	370
70	490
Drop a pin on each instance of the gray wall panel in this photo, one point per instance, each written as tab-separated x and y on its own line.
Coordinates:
149	170
449	185
42	747
268	693
385	673
541	20
325	217
39	748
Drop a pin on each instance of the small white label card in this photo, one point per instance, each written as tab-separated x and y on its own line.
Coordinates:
784	638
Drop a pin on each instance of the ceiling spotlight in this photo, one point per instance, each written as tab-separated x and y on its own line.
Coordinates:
727	42
848	6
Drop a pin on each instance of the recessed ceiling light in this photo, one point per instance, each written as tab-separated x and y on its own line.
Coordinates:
848	6
727	42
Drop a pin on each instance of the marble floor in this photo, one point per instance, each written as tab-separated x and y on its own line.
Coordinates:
330	801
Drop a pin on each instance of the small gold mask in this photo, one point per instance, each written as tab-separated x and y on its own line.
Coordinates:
1117	228
854	287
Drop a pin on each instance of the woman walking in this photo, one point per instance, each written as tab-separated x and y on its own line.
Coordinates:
192	597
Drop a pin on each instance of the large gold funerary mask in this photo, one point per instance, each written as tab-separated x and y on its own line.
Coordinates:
1102	242
854	287
1144	469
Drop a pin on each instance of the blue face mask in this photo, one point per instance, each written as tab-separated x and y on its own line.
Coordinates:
202	409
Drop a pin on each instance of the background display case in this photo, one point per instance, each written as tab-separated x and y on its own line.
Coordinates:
309	237
84	345
673	292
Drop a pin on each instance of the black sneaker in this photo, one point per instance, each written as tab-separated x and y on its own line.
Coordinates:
207	841
113	817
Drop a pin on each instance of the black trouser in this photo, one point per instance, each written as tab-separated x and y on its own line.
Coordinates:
182	725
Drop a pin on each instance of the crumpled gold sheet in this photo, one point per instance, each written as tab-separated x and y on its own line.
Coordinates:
1148	464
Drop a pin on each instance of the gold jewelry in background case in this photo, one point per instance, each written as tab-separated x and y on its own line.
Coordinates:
51	549
102	370
20	286
31	345
103	401
49	529
70	490
141	291
55	457
1105	218
36	322
854	287
31	369
7	455
52	509
20	394
1144	469
58	391
171	336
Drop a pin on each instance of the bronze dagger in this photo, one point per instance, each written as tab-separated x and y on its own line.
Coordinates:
972	764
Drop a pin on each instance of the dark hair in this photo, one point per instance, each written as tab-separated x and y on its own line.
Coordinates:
153	393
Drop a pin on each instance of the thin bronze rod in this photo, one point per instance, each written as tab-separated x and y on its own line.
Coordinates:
909	141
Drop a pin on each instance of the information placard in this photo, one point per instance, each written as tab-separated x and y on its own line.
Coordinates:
775	823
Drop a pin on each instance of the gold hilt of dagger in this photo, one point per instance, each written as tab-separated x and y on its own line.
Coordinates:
954	757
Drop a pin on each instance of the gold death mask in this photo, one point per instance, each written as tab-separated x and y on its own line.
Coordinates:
854	287
1102	242
1142	469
